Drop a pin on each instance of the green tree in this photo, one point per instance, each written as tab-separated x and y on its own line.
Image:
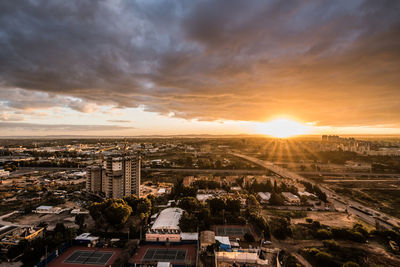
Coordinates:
350	264
80	220
117	212
276	199
188	222
189	204
233	205
249	237
216	205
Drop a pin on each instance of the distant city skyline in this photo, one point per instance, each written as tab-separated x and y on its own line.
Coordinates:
128	68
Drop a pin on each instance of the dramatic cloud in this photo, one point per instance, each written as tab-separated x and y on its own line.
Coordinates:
330	62
24	128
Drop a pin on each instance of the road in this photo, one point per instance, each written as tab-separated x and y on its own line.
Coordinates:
350	174
4	223
332	196
249	171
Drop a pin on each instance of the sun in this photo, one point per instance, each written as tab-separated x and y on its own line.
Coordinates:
282	128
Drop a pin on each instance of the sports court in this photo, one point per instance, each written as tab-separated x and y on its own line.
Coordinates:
154	254
86	257
235	231
89	257
183	254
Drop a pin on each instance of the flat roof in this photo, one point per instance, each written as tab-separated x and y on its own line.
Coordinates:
190	236
168	219
44	207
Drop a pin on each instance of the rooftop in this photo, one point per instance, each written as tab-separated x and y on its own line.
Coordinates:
168	219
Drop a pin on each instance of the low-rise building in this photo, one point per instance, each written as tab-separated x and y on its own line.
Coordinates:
206	238
204	197
239	258
291	197
48	210
12	235
265	196
86	239
166	227
4	174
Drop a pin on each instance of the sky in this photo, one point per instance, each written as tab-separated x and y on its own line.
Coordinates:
198	67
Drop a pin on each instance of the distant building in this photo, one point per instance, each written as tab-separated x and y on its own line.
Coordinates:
291	197
4	173
48	210
118	177
265	196
188	180
204	197
94	178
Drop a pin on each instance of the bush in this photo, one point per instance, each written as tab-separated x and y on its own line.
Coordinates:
324	258
309	220
249	237
311	251
350	264
324	234
316	224
331	244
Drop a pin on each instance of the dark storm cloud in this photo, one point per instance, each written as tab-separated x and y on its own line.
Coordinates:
335	62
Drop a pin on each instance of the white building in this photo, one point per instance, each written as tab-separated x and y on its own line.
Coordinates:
166	226
291	197
4	173
265	196
239	257
48	210
204	197
87	238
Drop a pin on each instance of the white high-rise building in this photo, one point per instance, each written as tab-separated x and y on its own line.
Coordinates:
120	176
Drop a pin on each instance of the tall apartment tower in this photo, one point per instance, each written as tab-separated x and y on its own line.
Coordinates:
94	178
120	176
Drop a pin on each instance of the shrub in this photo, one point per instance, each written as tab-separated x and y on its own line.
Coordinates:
311	251
331	244
249	237
324	258
350	264
324	234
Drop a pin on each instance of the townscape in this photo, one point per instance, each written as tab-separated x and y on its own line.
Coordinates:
243	201
202	133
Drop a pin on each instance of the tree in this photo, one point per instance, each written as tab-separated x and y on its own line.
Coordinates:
324	234
189	204
253	203
216	205
350	264
113	211
143	209
188	222
324	258
281	228
117	212
80	220
276	199
233	205
249	237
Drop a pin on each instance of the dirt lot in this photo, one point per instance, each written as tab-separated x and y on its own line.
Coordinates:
333	219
